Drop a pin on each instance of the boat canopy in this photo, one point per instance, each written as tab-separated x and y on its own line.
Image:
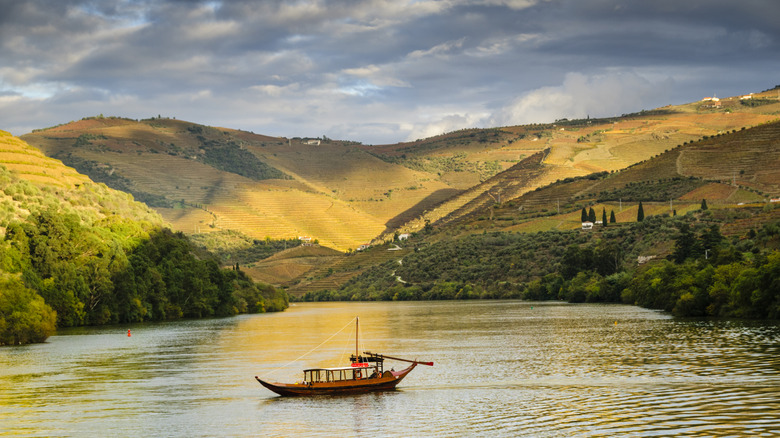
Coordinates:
336	369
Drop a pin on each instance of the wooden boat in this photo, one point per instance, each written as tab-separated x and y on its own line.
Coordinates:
366	373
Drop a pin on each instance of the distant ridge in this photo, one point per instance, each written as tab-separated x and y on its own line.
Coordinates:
741	166
732	171
345	194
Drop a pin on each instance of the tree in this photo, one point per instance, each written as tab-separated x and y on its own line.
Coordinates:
612	216
703	204
711	240
575	260
607	258
685	245
24	317
640	214
592	215
584	215
604	216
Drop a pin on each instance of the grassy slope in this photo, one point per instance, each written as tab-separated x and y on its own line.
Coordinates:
339	194
33	165
748	158
53	182
345	194
286	266
581	147
712	163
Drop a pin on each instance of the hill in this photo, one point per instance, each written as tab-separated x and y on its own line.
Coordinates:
75	252
708	243
345	194
736	172
32	181
303	189
577	148
728	169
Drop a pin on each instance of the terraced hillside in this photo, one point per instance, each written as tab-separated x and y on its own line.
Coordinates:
33	165
509	184
345	194
332	192
674	182
337	271
287	267
729	169
33	182
584	146
575	148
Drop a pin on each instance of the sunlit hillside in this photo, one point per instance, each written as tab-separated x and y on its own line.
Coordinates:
576	148
345	194
32	182
737	173
33	165
729	170
330	191
75	252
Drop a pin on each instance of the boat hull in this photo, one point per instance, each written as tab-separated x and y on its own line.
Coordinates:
387	382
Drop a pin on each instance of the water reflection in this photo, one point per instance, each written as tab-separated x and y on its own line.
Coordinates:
502	368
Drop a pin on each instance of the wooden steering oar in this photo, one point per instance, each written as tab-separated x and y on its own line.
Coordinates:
430	364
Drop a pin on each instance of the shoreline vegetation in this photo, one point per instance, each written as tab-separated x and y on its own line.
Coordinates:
704	273
91	256
74	252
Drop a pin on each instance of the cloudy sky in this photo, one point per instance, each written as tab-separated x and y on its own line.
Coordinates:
375	71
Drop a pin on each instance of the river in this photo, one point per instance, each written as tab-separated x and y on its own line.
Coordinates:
502	368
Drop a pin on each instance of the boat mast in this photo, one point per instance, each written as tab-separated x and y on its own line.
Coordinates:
357	336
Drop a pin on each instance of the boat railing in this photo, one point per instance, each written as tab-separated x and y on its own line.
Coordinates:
319	375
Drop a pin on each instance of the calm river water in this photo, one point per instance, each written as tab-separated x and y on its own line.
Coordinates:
506	368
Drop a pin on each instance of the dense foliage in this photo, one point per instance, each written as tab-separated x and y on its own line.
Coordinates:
496	265
232	247
24	317
230	157
118	272
704	275
442	164
756	101
660	190
69	251
745	289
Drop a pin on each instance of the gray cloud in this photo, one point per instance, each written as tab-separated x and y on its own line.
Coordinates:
580	96
379	70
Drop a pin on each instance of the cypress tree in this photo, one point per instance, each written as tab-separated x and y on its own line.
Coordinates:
584	215
711	239
640	214
604	216
685	245
703	204
612	216
592	215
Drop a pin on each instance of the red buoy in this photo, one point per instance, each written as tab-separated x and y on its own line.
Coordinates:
128	333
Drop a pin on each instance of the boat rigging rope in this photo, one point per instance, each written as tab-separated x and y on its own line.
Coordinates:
308	352
347	346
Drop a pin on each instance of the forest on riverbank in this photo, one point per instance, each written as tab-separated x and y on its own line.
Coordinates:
704	274
72	260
